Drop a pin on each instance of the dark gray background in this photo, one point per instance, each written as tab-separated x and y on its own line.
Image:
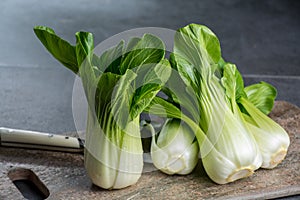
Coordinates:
261	37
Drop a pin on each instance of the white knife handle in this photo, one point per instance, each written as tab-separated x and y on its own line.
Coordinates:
39	140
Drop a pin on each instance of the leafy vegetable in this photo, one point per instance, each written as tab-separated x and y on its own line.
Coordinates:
271	138
174	151
206	98
118	85
228	150
262	95
59	48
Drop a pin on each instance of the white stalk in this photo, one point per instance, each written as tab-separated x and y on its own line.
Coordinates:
113	162
176	150
228	150
271	138
231	155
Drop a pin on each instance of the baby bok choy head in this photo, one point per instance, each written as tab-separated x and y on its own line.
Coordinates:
174	150
272	139
228	151
118	85
255	102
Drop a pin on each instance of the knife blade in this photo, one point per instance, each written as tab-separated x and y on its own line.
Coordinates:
39	140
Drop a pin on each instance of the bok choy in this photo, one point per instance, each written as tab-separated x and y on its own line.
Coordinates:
206	99
118	85
228	150
255	102
174	150
271	138
262	95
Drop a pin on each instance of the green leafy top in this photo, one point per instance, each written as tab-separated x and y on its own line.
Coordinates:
262	95
196	48
121	82
59	48
125	79
233	84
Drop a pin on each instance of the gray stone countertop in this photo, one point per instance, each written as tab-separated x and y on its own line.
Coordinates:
65	177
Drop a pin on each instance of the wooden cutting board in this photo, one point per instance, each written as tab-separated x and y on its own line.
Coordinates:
65	177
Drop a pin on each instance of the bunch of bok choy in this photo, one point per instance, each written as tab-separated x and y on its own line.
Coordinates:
208	108
224	116
118	86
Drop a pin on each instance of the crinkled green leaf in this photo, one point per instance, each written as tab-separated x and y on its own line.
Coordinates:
84	53
182	95
110	60
194	42
163	108
148	83
137	87
188	73
196	51
132	44
122	98
84	47
60	49
229	80
149	49
262	95
104	93
233	82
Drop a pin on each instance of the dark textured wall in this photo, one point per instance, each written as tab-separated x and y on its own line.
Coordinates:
261	37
